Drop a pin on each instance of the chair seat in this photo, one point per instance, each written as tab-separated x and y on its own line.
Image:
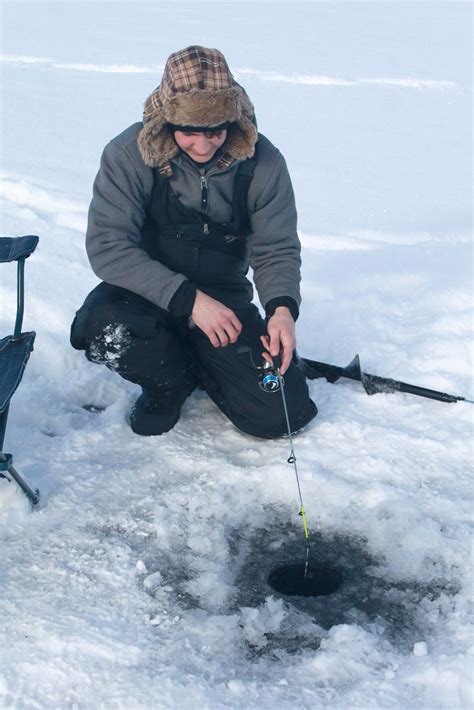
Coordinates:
14	354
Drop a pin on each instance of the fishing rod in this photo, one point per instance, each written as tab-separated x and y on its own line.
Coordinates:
271	380
372	383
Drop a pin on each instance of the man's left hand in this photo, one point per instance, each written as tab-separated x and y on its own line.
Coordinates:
281	337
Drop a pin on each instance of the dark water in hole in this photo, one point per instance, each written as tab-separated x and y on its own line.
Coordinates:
296	580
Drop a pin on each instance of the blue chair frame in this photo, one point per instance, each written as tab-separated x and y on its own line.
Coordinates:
14	353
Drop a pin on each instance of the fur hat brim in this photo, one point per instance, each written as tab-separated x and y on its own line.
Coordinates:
197	108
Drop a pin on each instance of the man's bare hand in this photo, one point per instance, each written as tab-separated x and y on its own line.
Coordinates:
218	322
281	337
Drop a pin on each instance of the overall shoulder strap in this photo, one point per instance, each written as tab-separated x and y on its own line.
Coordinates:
159	181
241	191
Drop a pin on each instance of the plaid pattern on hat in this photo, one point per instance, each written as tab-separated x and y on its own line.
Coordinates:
196	68
197	89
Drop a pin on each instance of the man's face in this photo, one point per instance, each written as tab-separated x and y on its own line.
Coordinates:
201	147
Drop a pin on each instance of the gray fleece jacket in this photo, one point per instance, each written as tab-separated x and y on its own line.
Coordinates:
117	212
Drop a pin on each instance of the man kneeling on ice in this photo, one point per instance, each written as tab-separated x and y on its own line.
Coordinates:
183	203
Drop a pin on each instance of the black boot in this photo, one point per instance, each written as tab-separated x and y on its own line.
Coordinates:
156	412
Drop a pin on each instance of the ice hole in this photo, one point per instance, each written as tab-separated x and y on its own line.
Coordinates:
320	580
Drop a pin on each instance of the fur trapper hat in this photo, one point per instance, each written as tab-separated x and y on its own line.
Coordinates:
197	89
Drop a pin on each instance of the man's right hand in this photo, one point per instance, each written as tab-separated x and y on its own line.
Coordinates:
218	322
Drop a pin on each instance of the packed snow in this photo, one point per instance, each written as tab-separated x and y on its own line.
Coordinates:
141	581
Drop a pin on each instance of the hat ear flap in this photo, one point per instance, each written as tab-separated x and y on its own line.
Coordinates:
155	141
241	139
243	135
245	103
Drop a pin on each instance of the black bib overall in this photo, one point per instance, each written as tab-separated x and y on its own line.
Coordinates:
145	345
212	255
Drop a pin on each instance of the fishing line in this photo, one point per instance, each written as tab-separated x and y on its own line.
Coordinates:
292	460
270	379
296	579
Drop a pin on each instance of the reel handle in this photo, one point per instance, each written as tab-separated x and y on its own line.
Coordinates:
277	361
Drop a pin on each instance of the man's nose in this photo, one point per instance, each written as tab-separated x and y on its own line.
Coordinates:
202	144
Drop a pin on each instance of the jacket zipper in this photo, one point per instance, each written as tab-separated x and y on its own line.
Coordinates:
204	196
204	193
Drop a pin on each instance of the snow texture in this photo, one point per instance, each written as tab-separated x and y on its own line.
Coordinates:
142	580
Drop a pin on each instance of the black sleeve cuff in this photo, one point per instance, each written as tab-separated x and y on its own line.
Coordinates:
181	305
287	301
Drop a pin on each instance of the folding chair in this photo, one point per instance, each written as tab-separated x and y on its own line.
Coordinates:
14	353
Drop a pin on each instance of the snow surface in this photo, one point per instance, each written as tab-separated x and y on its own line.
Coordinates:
141	581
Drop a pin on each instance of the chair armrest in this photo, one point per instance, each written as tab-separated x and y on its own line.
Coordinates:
14	248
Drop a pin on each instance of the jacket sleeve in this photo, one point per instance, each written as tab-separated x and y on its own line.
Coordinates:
274	244
116	216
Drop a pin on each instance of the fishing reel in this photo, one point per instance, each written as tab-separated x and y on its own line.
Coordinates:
269	378
268	374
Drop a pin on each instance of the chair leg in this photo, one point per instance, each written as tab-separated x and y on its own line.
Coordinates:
8	471
3	426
